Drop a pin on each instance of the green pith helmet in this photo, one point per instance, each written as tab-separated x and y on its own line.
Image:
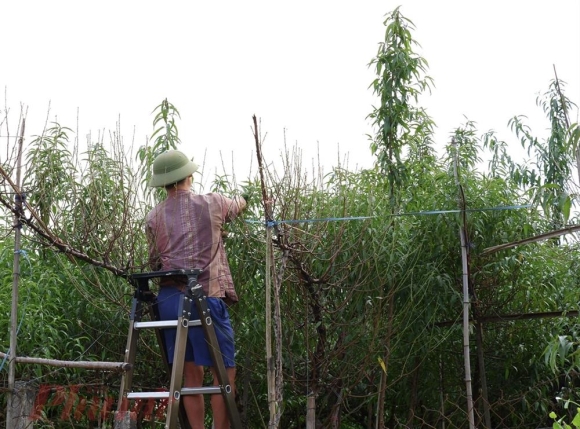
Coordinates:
171	167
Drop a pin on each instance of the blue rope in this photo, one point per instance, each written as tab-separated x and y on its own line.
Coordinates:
430	212
25	254
4	360
272	223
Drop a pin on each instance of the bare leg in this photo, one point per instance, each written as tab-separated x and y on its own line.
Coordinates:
218	407
194	405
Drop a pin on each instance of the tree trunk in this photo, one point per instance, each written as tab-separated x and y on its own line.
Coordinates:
414	384
482	375
18	210
384	374
466	297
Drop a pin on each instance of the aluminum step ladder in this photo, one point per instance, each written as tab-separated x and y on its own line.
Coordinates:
145	300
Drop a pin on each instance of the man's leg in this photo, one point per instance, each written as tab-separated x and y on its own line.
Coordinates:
218	407
194	405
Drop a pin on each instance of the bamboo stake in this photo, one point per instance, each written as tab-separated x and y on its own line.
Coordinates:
540	237
270	362
310	412
466	301
269	358
18	204
279	379
110	366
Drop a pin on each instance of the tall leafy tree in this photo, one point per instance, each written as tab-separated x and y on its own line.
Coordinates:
402	130
401	127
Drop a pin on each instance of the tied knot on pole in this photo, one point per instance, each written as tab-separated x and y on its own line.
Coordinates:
19	200
21	252
24	254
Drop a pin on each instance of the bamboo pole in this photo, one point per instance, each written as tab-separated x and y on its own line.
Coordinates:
18	204
310	412
466	305
466	300
110	366
269	358
279	376
273	396
534	239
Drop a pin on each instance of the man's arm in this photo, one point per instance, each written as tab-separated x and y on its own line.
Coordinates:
234	206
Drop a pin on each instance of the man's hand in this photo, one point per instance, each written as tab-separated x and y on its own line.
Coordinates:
248	193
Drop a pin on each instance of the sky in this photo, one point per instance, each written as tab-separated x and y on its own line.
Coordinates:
301	67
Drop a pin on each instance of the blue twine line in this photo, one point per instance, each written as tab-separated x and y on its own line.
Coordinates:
272	223
4	360
429	212
25	254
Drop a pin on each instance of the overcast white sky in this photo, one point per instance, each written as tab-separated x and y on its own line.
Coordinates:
300	66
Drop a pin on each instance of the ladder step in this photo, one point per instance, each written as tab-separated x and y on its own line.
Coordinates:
211	390
185	391
163	324
146	395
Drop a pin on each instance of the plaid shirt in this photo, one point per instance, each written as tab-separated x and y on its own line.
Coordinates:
185	232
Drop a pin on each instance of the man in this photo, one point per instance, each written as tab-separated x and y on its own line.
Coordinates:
185	232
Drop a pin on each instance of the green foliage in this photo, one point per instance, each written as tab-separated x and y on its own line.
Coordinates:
92	202
559	423
399	122
60	317
165	137
49	183
549	179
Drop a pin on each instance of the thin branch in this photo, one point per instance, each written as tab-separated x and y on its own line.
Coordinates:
541	237
514	317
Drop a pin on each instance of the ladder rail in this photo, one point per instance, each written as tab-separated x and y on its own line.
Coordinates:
193	295
176	380
213	345
132	338
154	314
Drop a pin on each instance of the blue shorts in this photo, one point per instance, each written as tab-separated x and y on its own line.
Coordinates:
197	350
